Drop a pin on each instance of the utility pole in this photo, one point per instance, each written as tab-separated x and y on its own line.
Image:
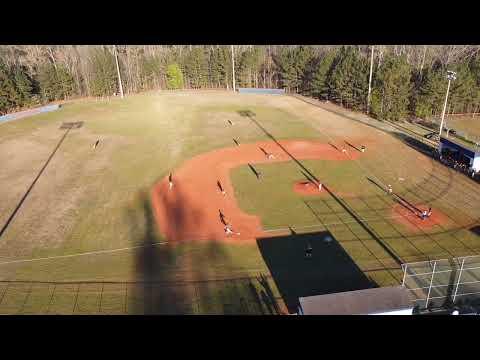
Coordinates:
370	81
233	69
118	72
423	61
451	75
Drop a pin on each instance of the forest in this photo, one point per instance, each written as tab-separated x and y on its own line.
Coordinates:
407	80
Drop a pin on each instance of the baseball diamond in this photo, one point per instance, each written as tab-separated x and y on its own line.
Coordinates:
215	202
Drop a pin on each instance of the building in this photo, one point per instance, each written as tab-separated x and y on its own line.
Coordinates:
461	152
376	301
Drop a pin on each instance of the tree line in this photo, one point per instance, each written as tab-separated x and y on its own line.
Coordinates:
407	80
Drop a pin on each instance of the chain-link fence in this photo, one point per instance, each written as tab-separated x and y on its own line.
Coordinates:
254	295
444	282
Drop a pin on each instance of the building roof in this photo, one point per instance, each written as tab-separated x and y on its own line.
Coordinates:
359	302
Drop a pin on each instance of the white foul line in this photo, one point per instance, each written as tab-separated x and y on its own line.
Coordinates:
80	254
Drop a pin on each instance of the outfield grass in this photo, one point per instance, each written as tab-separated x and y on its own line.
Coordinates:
465	124
89	201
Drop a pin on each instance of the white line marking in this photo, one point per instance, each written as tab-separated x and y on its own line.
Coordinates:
79	254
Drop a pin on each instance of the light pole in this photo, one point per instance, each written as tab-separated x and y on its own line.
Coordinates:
370	81
233	69
451	75
120	86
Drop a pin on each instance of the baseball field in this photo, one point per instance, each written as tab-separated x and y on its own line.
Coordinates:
100	230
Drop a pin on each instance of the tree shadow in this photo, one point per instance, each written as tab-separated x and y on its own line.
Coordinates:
329	270
230	296
154	290
186	277
415	144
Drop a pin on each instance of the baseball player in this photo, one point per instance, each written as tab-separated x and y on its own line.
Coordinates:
221	188
308	251
228	230
424	214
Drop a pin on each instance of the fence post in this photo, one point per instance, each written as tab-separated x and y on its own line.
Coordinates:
458	281
404	274
431	282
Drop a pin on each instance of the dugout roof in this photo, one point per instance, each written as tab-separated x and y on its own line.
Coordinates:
359	302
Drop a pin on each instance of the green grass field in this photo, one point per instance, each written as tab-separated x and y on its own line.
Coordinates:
84	241
465	124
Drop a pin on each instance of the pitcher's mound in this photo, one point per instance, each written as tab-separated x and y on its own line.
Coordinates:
307	188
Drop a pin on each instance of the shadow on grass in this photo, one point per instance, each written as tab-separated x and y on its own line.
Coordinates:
415	144
475	230
343	204
24	197
189	278
254	171
153	292
329	270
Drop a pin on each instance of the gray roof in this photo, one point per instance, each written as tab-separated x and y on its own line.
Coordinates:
359	302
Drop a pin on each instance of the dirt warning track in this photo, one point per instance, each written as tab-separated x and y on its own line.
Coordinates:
190	210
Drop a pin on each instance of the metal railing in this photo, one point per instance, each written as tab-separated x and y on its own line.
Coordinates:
449	280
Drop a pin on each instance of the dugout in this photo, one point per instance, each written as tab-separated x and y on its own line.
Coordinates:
393	300
460	152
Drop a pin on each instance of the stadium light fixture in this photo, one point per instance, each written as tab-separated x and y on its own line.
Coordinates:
451	75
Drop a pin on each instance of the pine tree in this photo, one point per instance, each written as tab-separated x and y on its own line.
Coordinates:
304	65
217	67
463	90
174	77
431	93
7	89
285	62
321	72
23	85
104	81
196	68
48	82
392	89
348	80
151	68
65	83
475	70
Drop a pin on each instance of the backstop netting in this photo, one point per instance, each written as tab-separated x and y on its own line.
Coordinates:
438	283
